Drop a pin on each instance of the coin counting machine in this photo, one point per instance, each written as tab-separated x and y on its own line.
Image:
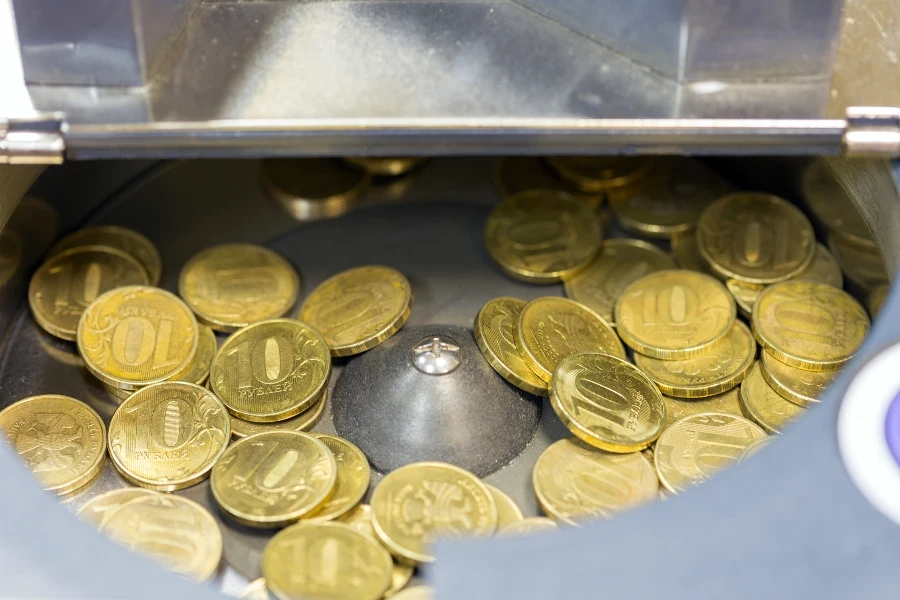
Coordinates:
111	89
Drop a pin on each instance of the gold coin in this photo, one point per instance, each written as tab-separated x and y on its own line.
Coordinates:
833	206
272	479
876	299
809	325
528	526
319	560
602	173
176	532
359	308
824	268
63	287
543	236
168	436
100	507
607	402
125	240
756	447
386	166
863	267
314	188
756	238
764	406
674	314
574	482
514	174
550	329
233	285
410	508
620	263
670	199
134	336
302	422
692	450
720	367
360	519
495	333
120	394
744	294
61	439
271	371
800	386
417	592
507	510
352	478
687	254
255	590
198	371
727	402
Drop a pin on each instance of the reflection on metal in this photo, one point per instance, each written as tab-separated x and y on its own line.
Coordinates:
873	131
35	140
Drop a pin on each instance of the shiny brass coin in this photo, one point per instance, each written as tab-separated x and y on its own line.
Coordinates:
756	447
863	267
61	439
272	479
695	448
574	482
602	173
410	508
800	386
764	406
302	422
176	532
670	199
495	333
528	526
233	285
255	590
720	367
508	511
514	174
352	478
744	294
304	561
63	287
168	436
727	402
125	240
687	254
876	299
674	314
359	308
607	402
756	238
550	329
543	236
386	166
314	188
99	507
198	371
620	263
809	325
833	206
134	336
271	371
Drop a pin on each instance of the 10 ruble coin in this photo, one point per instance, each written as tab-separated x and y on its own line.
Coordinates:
125	240
352	482
495	333
764	406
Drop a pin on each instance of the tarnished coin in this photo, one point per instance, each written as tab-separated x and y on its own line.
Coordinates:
528	526
386	166
418	503
198	371
809	325
543	236
833	206
757	446
177	532
727	402
360	518
574	482
876	299
495	333
550	329
61	439
271	371
670	199
764	406
620	263
687	254
674	314
720	367
302	422
352	478
863	267
125	240
99	507
602	173
63	287
272	479
508	511
168	436
314	188
134	336
800	386
514	174
358	309
755	237
695	448
326	560
233	285
607	402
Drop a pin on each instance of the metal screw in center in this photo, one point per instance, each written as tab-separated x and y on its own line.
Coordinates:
436	355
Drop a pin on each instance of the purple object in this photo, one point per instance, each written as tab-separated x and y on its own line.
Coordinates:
892	428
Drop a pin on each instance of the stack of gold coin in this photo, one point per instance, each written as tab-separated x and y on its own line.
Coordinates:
309	189
610	175
514	174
